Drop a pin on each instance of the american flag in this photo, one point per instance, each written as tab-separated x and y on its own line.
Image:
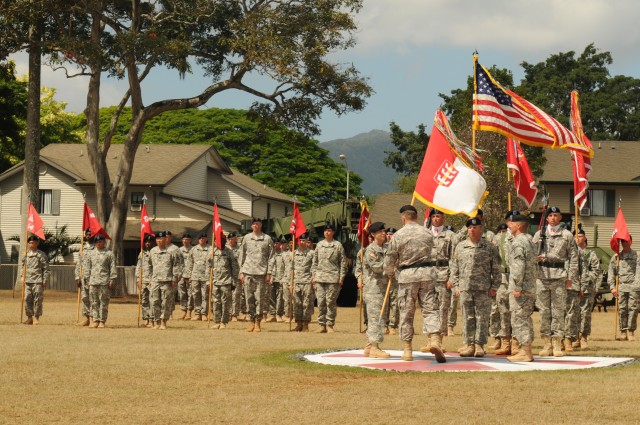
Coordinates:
502	111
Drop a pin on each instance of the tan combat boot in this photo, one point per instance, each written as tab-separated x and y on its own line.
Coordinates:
450	331
156	325
497	344
377	353
426	348
29	321
367	349
436	348
223	325
149	324
623	336
305	326
547	350
252	326
257	327
279	319
234	318
94	324
556	343
36	320
101	325
85	322
464	347
479	351
163	325
184	315
441	339
468	351
515	346
505	348
576	342
568	347
322	329
583	342
330	329
631	336
207	317
393	331
242	317
196	317
407	353
298	327
188	316
524	355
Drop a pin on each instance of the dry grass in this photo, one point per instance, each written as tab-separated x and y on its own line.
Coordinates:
60	373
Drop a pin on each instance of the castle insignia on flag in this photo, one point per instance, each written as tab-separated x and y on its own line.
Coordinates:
446	174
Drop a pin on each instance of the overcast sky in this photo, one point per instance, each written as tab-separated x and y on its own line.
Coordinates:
411	50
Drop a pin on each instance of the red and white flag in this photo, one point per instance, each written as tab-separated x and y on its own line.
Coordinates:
90	221
580	163
620	232
297	227
446	181
145	227
522	178
35	225
217	227
363	224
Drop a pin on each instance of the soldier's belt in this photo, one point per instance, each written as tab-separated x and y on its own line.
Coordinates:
422	264
442	263
552	264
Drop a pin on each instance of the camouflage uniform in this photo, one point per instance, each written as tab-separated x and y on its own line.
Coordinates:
276	307
443	248
81	265
166	269
238	305
329	267
628	288
358	273
183	285
500	326
143	260
559	264
256	261
375	287
225	268
285	280
37	275
102	272
589	278
474	270
303	296
410	252
174	250
196	270
522	277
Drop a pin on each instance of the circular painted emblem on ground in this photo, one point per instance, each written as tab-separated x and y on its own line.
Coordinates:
490	363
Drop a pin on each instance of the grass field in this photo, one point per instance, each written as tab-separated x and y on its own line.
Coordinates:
60	373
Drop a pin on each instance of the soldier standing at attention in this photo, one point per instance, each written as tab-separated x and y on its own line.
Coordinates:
225	267
102	274
628	291
174	250
196	272
302	288
256	265
183	285
238	305
409	252
83	281
392	313
522	286
275	290
282	297
328	270
475	276
557	269
36	280
166	270
375	287
589	269
143	261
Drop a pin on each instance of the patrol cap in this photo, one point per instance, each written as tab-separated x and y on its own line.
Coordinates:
392	230
434	211
408	208
161	235
376	227
511	213
33	238
475	221
501	228
519	218
202	236
186	235
232	235
99	238
255	219
329	226
553	210
304	236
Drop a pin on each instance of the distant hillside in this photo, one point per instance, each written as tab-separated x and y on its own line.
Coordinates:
365	155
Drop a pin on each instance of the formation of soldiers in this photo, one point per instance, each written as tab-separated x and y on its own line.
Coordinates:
497	278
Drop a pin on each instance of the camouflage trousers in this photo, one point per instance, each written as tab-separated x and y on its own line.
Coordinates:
502	303
521	311
238	303
303	302
494	319
198	297
84	299
276	304
628	303
183	293
160	298
145	302
586	306
222	297
391	311
33	298
286	300
476	308
254	292
444	300
551	301
327	295
409	296
453	310
572	316
100	296
374	296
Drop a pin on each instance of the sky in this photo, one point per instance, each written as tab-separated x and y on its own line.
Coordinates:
411	50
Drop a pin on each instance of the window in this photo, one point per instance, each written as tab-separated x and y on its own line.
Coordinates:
601	202
136	198
49	202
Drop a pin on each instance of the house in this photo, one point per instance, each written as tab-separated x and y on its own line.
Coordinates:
180	183
615	178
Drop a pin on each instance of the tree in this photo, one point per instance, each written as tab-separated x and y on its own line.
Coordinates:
57	244
13	110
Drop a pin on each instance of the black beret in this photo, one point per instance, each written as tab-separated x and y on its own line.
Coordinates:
186	235
475	221
255	219
148	237
510	213
408	208
87	230
202	236
553	210
99	238
519	218
168	233
434	211
329	226
449	227
33	238
232	235
376	227
304	236
479	212
580	232
161	235
283	240
392	230
501	227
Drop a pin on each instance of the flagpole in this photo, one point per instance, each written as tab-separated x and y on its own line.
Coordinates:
213	247
293	273
475	90
615	331
80	258
361	286
140	257
386	298
24	273
508	187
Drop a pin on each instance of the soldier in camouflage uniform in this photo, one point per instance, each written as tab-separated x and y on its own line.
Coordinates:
328	270
256	265
303	295
102	274
287	286
35	281
409	253
392	313
522	286
196	272
82	278
183	285
557	269
275	290
166	270
281	300
500	318
238	305
375	287
628	289
589	269
225	268
143	262
475	276
174	250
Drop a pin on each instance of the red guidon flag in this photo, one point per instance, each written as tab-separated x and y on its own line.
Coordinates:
580	163
90	221
446	181
145	223
522	178
217	227
620	232
297	227
363	224
35	225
